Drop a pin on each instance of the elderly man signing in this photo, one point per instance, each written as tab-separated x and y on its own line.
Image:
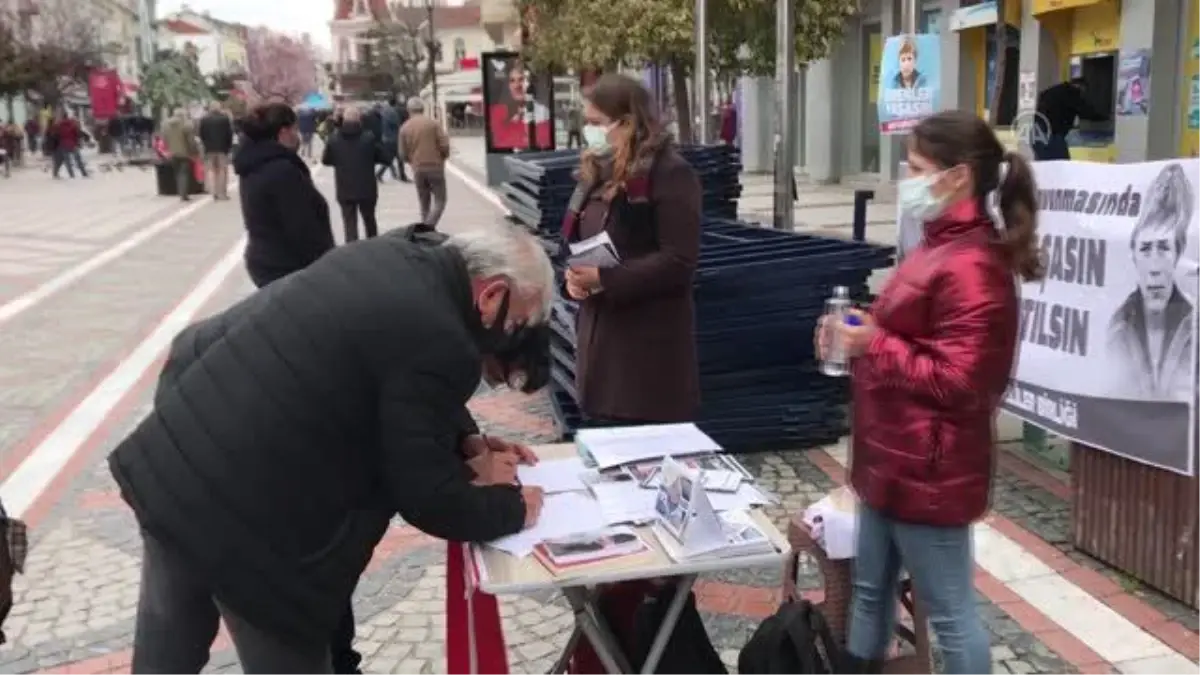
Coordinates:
290	428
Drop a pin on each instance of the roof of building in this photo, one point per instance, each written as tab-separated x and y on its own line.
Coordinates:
345	9
180	27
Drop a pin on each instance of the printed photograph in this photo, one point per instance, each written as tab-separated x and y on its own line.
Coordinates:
593	546
1150	334
506	92
673	502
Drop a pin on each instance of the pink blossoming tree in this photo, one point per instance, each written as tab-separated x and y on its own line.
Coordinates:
280	66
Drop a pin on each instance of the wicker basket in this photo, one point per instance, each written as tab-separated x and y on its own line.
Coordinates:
836	581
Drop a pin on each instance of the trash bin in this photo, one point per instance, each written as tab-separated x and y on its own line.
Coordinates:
164	177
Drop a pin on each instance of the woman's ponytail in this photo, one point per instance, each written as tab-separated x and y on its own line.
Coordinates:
1019	206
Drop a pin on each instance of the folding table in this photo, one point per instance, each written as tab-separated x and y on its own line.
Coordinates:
497	573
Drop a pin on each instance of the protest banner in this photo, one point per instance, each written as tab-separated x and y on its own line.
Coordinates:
1108	338
909	81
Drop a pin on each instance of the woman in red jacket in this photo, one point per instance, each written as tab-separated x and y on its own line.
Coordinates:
932	360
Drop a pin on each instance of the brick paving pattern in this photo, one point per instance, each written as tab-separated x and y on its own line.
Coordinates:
75	608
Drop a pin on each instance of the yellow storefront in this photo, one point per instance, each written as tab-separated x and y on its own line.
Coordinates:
1087	38
1189	103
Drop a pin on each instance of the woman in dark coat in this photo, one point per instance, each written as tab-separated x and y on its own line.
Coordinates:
636	352
287	219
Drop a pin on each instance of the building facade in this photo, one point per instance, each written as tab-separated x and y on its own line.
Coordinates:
222	50
1047	41
456	28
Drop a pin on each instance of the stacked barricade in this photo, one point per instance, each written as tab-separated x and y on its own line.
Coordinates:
759	294
540	183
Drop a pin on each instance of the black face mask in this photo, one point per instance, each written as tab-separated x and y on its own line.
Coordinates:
527	355
494	339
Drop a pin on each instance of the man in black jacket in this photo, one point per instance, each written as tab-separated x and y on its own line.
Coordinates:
1058	107
288	429
353	153
216	135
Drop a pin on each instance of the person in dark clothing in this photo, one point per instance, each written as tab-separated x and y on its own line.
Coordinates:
289	429
287	219
390	130
353	154
371	120
216	135
1057	108
308	127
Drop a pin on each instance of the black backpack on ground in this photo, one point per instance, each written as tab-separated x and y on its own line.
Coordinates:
689	649
796	639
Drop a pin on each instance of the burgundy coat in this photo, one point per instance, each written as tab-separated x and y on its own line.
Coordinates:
636	350
927	388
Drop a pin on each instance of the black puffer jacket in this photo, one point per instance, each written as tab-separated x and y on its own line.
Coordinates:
287	219
353	153
288	429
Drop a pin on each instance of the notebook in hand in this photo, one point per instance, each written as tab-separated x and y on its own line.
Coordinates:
597	251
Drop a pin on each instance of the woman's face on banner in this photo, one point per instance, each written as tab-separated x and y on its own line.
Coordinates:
516	83
908	63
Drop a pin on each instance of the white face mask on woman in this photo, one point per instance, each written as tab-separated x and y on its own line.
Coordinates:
596	136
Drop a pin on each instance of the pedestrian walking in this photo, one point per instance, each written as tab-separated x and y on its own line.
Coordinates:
67	135
425	145
180	138
307	123
216	135
287	219
389	136
353	153
574	126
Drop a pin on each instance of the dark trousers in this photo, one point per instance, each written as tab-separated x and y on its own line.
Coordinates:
574	139
178	617
350	211
1054	147
70	158
431	194
345	659
392	162
183	176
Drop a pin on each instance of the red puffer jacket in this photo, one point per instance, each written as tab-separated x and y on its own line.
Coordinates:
927	387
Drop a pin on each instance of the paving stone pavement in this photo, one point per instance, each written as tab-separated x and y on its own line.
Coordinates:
74	609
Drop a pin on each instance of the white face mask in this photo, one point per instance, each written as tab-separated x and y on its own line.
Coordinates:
596	136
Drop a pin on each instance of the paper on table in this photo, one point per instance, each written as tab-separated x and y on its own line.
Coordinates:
747	496
624	502
614	446
563	514
555	475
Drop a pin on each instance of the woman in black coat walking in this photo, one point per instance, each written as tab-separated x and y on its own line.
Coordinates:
287	219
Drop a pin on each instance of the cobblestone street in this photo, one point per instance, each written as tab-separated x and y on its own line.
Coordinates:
77	366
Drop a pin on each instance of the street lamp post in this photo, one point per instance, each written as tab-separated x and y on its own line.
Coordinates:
432	49
700	74
785	142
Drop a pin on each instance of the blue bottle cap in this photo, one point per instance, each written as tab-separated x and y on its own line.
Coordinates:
853	320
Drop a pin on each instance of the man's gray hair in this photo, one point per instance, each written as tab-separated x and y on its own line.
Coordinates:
416	105
510	252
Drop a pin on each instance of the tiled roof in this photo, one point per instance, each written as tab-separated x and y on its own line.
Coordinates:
183	27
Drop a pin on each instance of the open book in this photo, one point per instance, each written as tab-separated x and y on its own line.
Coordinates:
597	251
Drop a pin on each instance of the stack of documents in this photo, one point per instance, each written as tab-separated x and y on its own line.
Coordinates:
616	446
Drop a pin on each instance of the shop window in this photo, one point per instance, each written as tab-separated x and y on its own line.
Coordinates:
931	21
1007	90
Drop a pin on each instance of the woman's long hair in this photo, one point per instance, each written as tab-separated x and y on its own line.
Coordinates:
955	137
637	134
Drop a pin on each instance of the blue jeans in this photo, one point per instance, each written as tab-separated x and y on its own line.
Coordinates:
941	564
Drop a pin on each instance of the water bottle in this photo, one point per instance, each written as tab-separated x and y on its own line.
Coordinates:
837	310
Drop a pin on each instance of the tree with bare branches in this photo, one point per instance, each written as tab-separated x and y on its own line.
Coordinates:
49	47
398	48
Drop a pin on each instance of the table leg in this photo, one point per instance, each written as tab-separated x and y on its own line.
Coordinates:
683	587
590	622
564	661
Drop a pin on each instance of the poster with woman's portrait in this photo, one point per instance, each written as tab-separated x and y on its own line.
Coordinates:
505	97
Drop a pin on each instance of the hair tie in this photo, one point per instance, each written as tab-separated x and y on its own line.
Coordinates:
993	198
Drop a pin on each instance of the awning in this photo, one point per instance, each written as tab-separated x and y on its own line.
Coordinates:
983	14
1045	6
